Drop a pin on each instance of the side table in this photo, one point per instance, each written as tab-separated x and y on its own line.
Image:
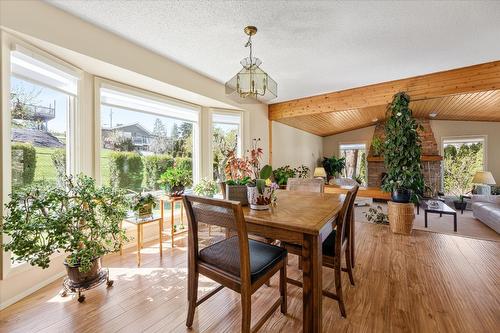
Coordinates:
139	223
172	201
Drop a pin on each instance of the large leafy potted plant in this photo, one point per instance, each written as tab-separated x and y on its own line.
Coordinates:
175	180
282	174
76	218
402	150
333	166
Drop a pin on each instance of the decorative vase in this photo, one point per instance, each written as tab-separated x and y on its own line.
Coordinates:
401	195
257	200
237	193
174	191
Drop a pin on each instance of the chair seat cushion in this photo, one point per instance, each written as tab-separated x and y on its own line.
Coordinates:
225	255
329	244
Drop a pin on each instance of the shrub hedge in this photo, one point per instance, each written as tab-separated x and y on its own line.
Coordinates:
154	167
23	164
132	171
126	170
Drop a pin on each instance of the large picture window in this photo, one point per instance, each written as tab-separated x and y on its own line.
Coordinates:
226	139
142	137
41	105
355	161
462	158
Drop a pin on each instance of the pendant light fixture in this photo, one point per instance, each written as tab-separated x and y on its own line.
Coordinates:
251	83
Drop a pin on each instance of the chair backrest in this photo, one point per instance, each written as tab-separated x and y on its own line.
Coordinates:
306	185
222	213
345	181
345	219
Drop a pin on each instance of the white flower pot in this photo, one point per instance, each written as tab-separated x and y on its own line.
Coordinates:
259	201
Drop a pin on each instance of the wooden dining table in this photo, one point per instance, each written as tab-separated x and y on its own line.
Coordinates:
306	219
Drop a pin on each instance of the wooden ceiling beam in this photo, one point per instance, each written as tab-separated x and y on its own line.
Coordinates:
470	79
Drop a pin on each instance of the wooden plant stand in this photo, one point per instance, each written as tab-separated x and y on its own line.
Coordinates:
172	201
401	216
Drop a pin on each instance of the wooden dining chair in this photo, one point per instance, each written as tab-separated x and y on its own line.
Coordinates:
306	185
238	263
334	247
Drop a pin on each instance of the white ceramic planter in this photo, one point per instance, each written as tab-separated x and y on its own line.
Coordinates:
259	201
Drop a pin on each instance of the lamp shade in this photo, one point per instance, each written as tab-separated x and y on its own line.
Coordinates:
483	177
319	172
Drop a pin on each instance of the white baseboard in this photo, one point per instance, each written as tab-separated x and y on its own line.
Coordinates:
31	290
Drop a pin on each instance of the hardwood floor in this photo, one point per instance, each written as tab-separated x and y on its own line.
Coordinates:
427	282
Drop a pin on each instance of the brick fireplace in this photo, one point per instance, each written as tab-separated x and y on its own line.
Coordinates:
431	160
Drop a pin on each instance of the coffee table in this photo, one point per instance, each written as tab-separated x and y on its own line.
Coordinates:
440	208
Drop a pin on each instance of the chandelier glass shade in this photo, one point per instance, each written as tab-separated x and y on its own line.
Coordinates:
251	83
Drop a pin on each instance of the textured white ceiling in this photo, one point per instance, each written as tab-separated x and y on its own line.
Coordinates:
308	47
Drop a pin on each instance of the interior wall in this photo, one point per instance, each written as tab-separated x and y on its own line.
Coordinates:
295	147
441	128
447	128
331	143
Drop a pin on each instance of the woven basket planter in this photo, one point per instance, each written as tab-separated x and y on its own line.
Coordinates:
401	217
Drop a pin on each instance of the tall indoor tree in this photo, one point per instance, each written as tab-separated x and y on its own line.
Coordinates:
402	149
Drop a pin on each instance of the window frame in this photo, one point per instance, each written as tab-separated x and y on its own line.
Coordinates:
483	137
100	82
241	134
361	142
9	44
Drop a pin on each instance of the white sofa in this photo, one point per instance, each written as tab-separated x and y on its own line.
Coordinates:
486	208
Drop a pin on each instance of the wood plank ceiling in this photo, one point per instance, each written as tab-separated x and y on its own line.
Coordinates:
469	93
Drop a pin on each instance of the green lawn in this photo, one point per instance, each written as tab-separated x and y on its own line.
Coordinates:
45	169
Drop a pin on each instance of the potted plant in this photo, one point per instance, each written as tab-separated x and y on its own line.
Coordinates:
175	181
302	171
76	218
282	174
206	188
402	150
376	215
143	204
377	146
261	190
460	204
333	166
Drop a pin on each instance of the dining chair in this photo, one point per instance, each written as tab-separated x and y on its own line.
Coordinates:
306	185
238	263
335	246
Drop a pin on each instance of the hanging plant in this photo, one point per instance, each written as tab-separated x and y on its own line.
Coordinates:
402	150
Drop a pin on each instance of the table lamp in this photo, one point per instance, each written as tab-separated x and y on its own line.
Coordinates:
483	177
319	172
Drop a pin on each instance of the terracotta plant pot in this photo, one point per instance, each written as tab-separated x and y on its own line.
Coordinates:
237	193
79	278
